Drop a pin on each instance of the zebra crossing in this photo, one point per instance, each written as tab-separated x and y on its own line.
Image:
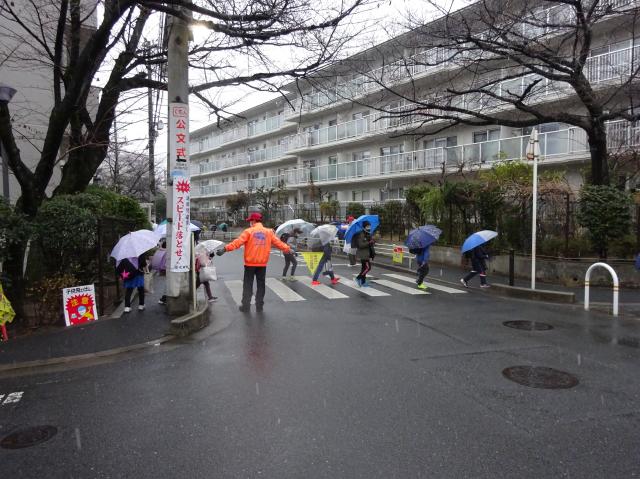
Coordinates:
391	284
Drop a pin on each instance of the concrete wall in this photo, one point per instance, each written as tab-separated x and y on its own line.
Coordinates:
567	272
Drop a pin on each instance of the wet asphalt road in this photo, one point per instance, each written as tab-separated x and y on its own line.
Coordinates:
397	386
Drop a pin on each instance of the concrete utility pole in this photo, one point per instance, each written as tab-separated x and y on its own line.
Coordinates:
152	130
178	298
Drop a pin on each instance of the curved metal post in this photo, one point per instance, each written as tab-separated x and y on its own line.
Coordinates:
614	276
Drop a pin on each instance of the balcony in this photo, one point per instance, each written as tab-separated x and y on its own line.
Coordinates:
570	142
239	160
232	187
379	122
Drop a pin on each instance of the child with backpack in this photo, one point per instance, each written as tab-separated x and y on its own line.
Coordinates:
290	258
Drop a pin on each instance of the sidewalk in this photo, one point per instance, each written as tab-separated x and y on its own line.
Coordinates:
108	333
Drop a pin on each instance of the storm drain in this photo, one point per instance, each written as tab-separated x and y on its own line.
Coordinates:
28	437
528	325
539	377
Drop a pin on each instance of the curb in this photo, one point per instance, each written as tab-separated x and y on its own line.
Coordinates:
185	325
534	295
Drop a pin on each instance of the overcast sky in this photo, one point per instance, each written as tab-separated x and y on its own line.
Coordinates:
380	23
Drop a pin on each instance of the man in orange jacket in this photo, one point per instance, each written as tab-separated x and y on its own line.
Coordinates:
257	241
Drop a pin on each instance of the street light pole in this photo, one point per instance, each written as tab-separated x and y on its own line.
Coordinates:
533	152
178	300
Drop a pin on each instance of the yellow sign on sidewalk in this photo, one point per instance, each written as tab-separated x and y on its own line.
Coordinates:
312	259
397	254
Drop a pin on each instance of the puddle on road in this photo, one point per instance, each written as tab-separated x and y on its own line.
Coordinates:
628	341
540	377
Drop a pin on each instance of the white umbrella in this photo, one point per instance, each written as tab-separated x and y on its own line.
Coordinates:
210	246
293	224
161	230
325	233
134	244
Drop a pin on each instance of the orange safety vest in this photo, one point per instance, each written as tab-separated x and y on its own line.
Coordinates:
257	241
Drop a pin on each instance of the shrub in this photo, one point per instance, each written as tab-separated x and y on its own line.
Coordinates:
46	296
606	212
355	209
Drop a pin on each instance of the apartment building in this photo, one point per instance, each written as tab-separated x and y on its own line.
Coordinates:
345	136
24	68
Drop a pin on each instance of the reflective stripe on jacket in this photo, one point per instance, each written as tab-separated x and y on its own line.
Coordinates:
257	241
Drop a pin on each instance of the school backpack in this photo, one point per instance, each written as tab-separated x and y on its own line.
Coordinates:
126	270
415	250
284	237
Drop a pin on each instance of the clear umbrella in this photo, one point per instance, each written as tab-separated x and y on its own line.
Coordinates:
290	225
325	233
161	230
134	244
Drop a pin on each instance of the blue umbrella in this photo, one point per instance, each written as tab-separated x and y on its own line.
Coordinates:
476	239
356	226
422	237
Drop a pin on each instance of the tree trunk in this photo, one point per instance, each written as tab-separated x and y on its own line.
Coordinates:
599	154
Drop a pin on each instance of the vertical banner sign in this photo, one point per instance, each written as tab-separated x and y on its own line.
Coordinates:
79	305
397	254
179	137
181	240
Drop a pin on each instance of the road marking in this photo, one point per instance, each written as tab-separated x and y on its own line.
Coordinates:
400	287
285	293
235	287
437	287
323	289
369	291
11	398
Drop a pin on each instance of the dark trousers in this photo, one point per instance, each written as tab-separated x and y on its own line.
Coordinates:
207	287
366	267
260	274
289	259
423	270
323	261
477	268
127	296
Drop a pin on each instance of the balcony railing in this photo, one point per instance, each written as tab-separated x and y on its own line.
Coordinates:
566	142
246	130
249	158
232	187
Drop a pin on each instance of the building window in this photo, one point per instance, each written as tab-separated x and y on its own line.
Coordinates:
486	135
449	141
360	195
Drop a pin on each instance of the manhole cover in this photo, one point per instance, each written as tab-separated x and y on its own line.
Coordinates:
528	325
28	437
537	377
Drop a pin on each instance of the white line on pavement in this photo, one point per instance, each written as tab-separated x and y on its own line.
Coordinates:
437	287
369	291
235	287
285	293
323	289
400	287
12	398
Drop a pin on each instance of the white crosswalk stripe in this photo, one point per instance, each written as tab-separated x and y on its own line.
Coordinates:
437	287
285	293
235	288
369	291
322	289
400	287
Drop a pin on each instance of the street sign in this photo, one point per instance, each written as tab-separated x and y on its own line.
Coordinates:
79	305
180	234
178	137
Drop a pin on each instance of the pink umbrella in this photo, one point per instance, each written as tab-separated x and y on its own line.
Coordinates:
159	260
